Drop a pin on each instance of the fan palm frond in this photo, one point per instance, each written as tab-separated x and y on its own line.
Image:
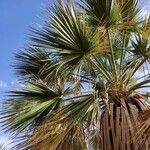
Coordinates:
98	11
32	105
66	34
31	61
66	121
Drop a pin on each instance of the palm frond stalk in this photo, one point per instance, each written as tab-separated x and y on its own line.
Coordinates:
87	80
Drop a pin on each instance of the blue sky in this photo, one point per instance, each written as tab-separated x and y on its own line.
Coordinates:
16	16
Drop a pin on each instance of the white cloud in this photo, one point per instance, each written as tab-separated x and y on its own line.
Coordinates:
3	84
15	84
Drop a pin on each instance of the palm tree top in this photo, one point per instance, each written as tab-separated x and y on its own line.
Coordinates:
96	43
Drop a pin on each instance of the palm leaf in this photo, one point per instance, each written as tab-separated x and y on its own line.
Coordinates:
32	105
98	11
65	33
31	62
65	121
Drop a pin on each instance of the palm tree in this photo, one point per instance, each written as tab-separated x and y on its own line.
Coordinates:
86	79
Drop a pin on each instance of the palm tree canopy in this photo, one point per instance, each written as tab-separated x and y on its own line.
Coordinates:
83	73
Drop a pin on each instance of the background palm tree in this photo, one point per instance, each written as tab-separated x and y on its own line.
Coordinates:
86	79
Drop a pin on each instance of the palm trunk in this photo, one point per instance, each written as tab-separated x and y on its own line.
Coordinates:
119	126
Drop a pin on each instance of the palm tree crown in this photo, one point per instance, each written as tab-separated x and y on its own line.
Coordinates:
86	79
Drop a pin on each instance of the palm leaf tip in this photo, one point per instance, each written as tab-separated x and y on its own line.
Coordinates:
65	33
31	62
31	106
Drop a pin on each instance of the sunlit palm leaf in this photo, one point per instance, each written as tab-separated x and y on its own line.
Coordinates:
32	61
98	11
65	33
32	105
76	115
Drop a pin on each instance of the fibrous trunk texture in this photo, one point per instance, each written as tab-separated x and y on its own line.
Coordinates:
119	125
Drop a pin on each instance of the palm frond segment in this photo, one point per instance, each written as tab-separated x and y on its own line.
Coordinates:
31	106
98	11
31	62
65	33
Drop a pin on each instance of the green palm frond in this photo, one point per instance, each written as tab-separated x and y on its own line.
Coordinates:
69	38
129	15
98	11
76	115
128	8
32	105
145	29
138	59
32	61
66	34
141	47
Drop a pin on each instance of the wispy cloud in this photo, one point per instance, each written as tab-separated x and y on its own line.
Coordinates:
9	86
3	84
15	84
